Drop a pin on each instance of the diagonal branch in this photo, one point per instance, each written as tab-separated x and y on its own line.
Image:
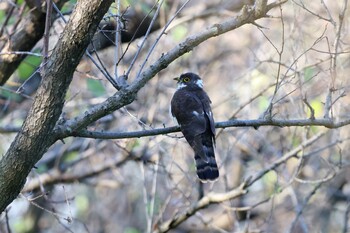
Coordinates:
128	94
210	198
213	198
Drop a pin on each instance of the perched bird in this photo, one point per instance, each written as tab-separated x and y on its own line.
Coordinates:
190	106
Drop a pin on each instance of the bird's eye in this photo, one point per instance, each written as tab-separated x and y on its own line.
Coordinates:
186	79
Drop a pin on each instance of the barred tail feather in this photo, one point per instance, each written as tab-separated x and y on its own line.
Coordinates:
207	169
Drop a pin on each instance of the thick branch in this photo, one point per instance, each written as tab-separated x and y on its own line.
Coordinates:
36	134
128	94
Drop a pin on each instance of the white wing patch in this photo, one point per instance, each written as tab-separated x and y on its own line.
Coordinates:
199	83
195	113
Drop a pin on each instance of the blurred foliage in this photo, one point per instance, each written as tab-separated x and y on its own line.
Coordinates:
28	66
308	73
318	108
23	224
131	230
82	204
95	87
68	6
9	95
71	156
2	17
179	33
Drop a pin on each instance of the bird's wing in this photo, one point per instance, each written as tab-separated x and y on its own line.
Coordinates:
189	112
205	100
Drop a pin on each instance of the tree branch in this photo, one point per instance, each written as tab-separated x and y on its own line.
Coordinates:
128	94
224	124
210	198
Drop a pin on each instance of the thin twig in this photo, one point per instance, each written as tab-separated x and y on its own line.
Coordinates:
268	112
100	67
160	35
312	110
145	38
21	53
7	220
47	31
8	17
333	68
210	198
301	208
346	217
285	157
117	40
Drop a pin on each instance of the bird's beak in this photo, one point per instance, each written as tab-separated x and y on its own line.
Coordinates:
177	79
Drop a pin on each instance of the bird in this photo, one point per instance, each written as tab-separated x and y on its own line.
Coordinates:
190	106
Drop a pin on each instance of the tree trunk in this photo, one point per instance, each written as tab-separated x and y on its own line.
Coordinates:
36	135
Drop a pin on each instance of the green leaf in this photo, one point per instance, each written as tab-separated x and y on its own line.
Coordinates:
131	230
95	87
2	17
179	32
263	103
318	108
270	180
308	73
82	203
10	95
68	6
71	156
28	66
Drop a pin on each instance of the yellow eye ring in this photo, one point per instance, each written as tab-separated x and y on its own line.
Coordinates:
186	79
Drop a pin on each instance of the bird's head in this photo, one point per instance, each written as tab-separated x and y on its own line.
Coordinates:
189	80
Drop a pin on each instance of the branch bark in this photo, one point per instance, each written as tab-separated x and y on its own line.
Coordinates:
128	94
328	123
210	198
36	134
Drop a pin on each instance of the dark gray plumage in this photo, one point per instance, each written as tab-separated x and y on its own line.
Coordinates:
190	106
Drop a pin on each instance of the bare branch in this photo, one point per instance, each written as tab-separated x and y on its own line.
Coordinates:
312	110
301	208
225	124
56	175
285	157
210	198
127	95
346	218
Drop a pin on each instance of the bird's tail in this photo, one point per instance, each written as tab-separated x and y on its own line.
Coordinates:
207	169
